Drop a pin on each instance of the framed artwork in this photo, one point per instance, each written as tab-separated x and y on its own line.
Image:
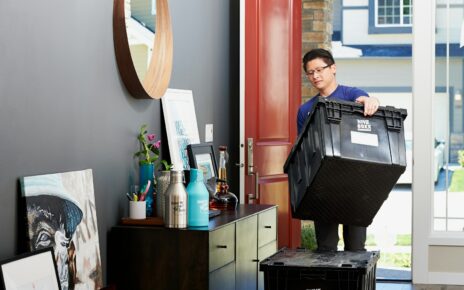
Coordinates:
34	270
61	214
181	125
202	156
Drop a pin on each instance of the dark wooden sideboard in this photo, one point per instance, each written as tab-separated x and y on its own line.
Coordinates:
225	255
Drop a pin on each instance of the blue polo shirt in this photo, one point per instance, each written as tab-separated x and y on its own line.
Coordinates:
343	93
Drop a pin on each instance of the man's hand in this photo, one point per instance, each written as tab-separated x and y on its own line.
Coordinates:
371	104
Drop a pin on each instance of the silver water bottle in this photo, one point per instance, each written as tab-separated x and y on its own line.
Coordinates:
175	202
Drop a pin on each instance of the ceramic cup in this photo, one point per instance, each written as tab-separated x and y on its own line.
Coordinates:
137	210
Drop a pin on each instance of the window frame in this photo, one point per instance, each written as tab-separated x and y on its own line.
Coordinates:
375	28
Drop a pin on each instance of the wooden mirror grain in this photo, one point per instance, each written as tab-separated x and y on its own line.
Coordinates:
156	80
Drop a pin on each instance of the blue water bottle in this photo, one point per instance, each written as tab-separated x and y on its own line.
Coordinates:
198	200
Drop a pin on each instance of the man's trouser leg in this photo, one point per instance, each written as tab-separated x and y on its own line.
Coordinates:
326	236
354	238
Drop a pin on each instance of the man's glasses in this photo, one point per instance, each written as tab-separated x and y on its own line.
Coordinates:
318	70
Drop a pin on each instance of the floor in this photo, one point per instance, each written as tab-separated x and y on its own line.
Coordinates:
409	286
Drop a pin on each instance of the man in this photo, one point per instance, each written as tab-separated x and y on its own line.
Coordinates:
319	66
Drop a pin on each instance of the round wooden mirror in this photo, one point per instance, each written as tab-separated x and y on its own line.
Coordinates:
143	46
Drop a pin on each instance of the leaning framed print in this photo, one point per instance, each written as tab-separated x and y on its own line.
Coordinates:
61	213
33	270
181	125
202	156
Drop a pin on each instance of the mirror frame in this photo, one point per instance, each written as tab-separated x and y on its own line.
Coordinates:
159	70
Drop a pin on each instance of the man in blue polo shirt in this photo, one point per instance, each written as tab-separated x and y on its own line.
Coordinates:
319	66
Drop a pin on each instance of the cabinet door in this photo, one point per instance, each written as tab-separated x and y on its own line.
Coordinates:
247	253
223	278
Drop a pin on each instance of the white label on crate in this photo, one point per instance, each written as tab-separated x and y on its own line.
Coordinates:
364	138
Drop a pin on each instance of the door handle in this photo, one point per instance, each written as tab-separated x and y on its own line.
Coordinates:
252	172
255	196
251	167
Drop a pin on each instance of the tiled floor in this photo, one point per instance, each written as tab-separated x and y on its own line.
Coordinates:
405	286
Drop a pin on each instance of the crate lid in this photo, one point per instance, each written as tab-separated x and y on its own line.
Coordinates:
361	261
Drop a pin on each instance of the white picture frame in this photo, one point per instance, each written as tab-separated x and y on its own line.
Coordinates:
181	125
34	270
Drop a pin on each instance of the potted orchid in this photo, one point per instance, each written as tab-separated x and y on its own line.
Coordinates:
149	159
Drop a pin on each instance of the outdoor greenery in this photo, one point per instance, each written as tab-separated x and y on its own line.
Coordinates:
403	240
308	236
398	260
402	260
457	180
370	240
461	157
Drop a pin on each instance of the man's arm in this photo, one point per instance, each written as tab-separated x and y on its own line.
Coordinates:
371	104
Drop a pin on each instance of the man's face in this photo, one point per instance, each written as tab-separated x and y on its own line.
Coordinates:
45	232
320	74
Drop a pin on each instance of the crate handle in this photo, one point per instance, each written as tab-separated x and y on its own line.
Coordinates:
393	118
333	111
313	276
347	266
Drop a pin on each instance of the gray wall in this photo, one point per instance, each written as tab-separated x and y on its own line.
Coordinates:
63	106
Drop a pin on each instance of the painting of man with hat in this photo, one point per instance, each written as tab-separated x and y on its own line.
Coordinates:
56	207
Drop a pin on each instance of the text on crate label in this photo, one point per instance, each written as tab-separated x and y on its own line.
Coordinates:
364	125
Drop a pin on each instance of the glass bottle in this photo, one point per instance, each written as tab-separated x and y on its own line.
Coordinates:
175	202
198	198
223	199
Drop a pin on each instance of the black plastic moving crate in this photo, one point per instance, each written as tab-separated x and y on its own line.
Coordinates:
304	269
343	165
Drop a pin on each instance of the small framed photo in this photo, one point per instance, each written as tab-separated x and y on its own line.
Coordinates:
202	156
34	270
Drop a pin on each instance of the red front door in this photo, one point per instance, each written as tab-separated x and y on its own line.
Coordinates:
272	97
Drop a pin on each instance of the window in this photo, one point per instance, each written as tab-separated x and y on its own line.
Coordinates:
448	197
390	16
393	13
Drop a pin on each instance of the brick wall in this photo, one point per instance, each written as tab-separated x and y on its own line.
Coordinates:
317	33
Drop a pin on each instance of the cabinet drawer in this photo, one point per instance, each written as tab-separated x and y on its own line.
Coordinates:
267	227
221	247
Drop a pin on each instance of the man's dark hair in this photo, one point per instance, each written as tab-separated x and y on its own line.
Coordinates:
325	55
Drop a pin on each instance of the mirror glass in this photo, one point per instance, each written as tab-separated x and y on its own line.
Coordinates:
140	18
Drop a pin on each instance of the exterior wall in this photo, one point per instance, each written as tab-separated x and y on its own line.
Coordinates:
354	3
356	30
374	72
355	24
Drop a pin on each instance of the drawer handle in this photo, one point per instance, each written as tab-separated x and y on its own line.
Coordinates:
222	246
268	227
255	260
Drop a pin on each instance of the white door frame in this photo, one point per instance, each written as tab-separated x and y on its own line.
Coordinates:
423	87
242	103
423	60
